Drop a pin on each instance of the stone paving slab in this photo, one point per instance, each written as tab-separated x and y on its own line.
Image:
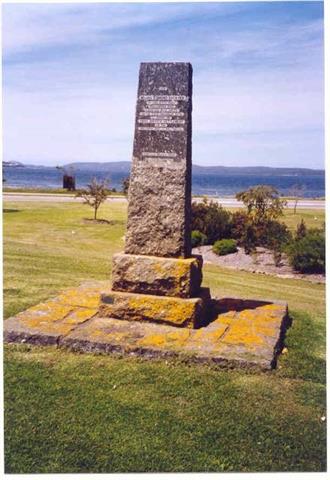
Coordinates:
237	337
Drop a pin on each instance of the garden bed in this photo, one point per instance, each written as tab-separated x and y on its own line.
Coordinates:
260	262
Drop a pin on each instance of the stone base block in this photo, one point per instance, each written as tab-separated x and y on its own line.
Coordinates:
181	312
169	277
242	333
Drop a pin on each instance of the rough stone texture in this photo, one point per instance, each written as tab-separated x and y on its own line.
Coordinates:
160	183
46	322
157	275
250	336
181	312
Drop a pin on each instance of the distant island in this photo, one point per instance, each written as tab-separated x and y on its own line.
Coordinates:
12	164
208	180
124	168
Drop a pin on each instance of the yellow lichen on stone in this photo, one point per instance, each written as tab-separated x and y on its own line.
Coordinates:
174	339
268	320
178	267
178	338
224	318
105	310
156	340
209	335
55	328
98	333
83	297
44	327
80	315
44	312
272	309
243	333
183	267
172	310
266	330
246	315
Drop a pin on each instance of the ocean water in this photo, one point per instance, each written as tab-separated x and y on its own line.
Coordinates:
217	185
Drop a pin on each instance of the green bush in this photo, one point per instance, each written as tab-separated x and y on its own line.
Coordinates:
307	254
198	238
225	246
273	234
239	222
211	219
270	234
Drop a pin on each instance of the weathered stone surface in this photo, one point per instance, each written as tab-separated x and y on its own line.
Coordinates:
46	322
160	182
182	312
250	336
170	277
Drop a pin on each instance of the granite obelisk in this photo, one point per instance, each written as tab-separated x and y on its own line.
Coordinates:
157	279
160	183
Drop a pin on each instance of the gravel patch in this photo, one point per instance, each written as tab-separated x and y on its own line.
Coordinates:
260	262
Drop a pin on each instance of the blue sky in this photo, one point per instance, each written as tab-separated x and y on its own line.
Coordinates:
70	74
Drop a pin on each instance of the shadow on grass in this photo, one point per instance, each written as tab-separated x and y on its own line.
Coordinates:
103	221
304	341
10	210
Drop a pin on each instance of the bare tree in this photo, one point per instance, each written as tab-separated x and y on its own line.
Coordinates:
296	191
125	185
95	194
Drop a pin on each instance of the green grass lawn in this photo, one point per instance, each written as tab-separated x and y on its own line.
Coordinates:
67	412
52	191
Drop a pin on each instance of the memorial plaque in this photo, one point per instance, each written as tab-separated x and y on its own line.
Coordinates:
160	184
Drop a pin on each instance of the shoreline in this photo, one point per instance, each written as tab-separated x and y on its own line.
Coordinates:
60	191
229	202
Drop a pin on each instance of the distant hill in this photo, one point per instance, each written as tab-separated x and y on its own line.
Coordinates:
12	164
113	167
124	169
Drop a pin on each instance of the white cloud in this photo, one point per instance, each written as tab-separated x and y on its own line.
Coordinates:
70	79
255	102
93	125
33	26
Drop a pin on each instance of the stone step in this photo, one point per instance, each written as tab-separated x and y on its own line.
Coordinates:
180	312
169	277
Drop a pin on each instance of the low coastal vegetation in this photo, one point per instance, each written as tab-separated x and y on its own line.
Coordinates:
259	226
225	246
67	412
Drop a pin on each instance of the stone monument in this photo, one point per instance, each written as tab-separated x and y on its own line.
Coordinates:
157	279
156	306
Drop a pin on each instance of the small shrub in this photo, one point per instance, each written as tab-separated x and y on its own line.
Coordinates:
225	246
198	238
211	219
268	233
273	234
307	254
95	194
